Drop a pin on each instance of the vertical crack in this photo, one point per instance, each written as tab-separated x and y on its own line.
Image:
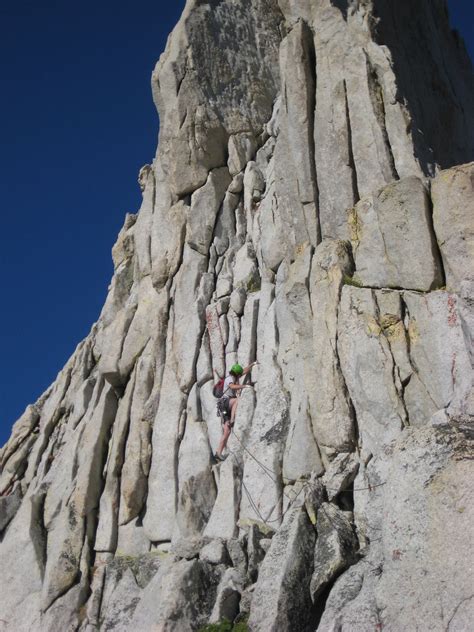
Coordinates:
352	410
311	62
397	382
415	370
355	188
38	531
435	250
378	107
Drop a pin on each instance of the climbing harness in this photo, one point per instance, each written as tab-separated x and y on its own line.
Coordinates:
223	409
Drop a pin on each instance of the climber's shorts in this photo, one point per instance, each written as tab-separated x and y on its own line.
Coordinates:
223	408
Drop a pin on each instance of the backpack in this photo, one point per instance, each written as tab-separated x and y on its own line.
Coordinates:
218	389
223	409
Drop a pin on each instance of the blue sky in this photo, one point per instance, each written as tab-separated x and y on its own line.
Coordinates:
77	122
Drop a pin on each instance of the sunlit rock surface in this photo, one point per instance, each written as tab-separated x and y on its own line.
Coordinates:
311	207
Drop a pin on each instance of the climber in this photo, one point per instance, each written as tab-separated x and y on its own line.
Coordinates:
228	403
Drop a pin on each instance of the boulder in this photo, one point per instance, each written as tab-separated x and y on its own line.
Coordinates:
120	597
223	520
335	549
124	580
228	597
351	602
452	192
281	599
178	598
214	552
384	228
340	475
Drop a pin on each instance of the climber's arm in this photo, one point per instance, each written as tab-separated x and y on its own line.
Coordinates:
249	368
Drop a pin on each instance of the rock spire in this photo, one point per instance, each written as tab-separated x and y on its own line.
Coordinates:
310	206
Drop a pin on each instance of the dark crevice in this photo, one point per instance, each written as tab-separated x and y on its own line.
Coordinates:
176	460
172	277
64	592
352	411
91	524
51	425
55	446
38	531
117	472
100	589
307	281
355	421
403	382
410	357
435	251
378	106
309	59
217	223
345	500
319	607
149	236
355	188
394	288
115	379
395	370
103	456
180	80
185	198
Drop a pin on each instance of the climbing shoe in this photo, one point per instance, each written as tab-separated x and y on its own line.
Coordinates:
219	458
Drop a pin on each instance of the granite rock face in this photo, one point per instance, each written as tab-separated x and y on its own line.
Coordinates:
310	207
384	228
453	204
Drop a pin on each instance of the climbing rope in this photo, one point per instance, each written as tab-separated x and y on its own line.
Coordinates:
286	481
253	504
273	477
266	469
358	489
269	473
267	521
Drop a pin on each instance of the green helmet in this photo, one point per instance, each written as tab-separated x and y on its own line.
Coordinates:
237	369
